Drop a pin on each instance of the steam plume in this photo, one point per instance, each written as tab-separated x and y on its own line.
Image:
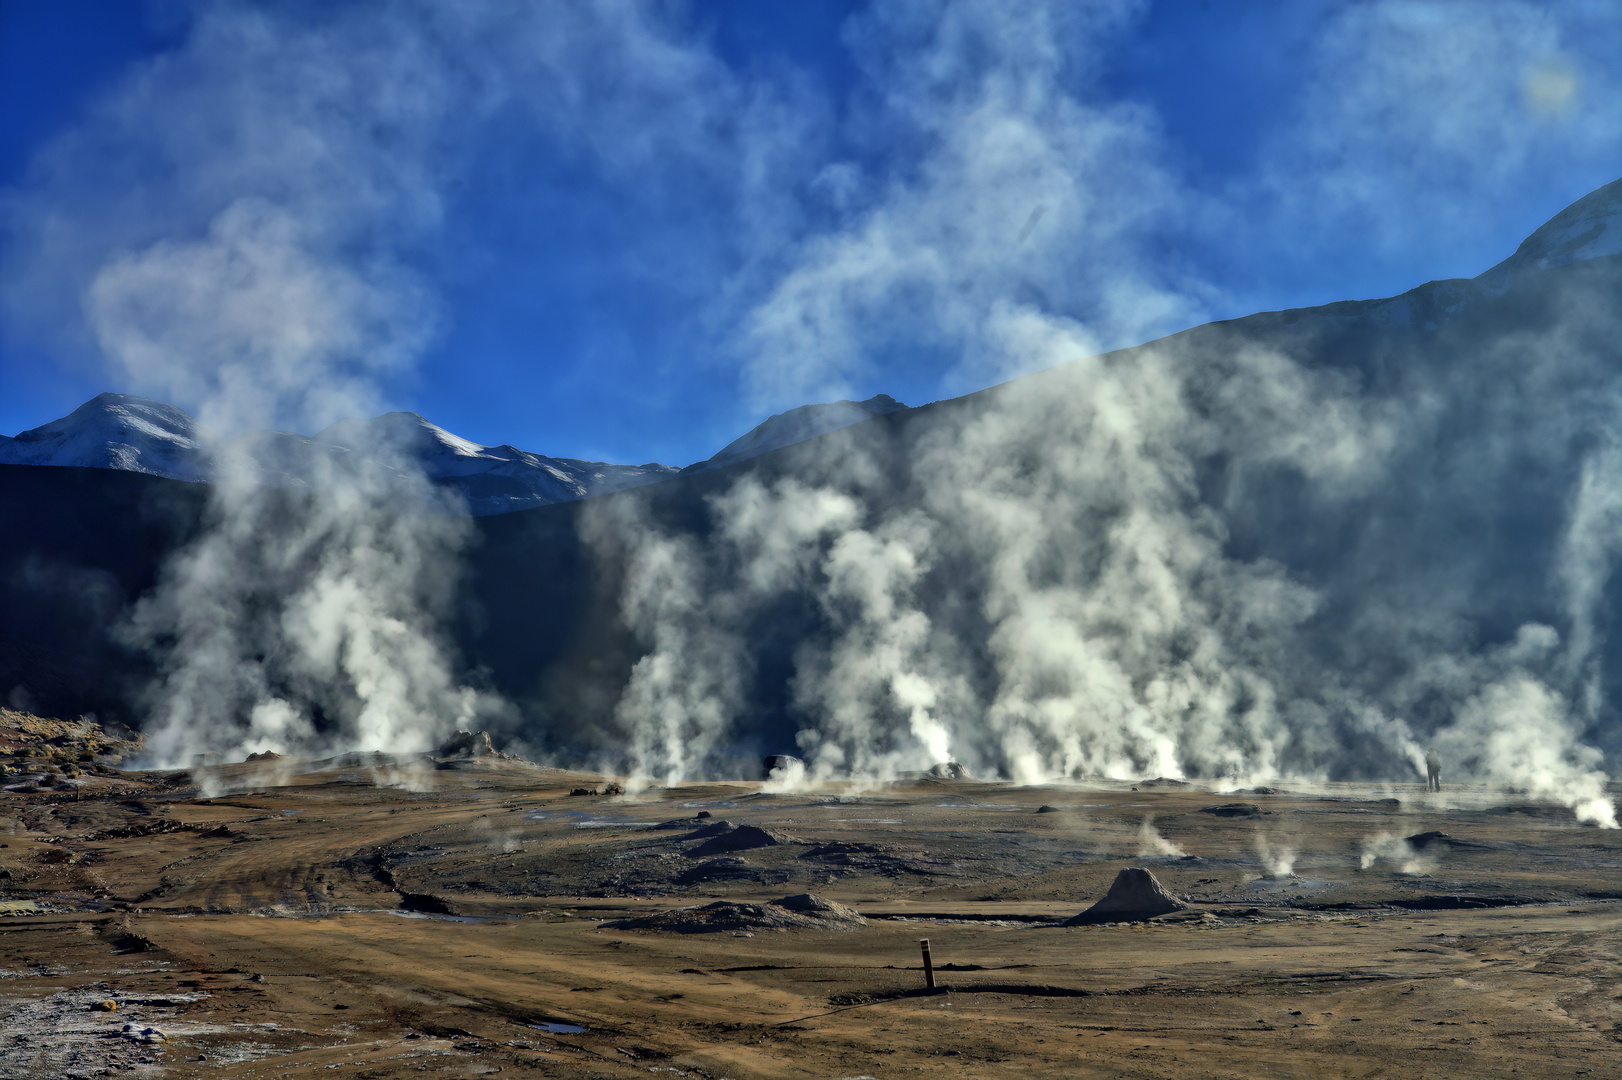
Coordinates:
1150	842
1218	555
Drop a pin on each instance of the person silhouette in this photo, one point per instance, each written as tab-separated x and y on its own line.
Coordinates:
1433	770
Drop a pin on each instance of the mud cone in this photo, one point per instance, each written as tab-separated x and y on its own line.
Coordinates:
1134	895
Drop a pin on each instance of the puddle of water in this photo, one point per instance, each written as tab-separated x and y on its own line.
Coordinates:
290	813
448	918
560	1029
960	922
614	824
22	907
238	1053
1289	885
160	999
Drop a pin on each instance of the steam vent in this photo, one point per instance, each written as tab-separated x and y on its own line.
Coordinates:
1135	895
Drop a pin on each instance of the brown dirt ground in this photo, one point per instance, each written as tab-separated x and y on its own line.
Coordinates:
263	931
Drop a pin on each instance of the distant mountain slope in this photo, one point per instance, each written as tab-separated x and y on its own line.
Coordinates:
798	425
1590	228
494	479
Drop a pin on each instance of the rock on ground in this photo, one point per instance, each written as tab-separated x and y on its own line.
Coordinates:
803	911
1232	809
742	838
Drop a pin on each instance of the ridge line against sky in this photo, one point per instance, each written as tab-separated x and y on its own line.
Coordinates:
631	231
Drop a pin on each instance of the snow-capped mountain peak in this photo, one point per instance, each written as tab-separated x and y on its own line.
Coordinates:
116	431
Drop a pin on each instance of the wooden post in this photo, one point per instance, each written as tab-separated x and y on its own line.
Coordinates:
929	965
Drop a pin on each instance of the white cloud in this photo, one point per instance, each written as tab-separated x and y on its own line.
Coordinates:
1021	191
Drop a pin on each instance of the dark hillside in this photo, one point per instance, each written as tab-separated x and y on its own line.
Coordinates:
77	547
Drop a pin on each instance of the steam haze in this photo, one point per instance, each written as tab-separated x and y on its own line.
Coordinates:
1300	546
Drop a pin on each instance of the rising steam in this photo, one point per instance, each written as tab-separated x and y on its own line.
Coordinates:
303	616
1393	851
1296	546
1150	842
1218	555
1277	862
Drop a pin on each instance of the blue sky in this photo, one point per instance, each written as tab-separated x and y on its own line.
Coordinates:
629	231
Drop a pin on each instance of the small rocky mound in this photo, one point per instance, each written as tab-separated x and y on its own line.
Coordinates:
1162	782
265	755
467	744
1421	841
679	823
841	851
609	788
739	838
1232	809
709	829
726	868
949	770
1134	896
805	911
42	751
1046	809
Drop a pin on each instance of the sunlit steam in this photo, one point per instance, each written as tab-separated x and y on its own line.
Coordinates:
1150	842
1213	556
1393	851
303	617
1277	862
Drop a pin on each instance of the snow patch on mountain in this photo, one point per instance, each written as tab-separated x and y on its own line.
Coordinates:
493	479
796	426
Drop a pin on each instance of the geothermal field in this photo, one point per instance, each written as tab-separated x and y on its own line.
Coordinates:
472	915
844	540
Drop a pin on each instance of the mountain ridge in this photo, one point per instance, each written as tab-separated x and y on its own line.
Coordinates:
128	433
